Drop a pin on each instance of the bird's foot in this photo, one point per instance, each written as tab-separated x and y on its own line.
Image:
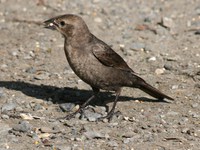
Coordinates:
72	115
109	116
68	117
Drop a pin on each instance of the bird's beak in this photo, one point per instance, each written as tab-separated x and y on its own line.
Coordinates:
50	24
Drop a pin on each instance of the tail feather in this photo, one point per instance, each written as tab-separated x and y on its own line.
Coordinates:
153	91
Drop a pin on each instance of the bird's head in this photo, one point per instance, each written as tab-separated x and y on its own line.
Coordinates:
68	25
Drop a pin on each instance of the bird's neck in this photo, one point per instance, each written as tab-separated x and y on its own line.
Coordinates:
80	38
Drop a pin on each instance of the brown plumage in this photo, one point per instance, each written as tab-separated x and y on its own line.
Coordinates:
95	62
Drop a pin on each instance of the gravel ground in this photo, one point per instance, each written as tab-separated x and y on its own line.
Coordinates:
159	39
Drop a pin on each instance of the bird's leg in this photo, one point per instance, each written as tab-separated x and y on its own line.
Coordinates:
111	113
82	107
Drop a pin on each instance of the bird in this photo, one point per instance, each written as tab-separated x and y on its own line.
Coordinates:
96	63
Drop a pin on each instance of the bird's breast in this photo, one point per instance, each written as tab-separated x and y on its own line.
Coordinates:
92	71
82	63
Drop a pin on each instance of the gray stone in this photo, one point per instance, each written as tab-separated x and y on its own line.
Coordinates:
31	70
2	94
12	138
38	107
93	134
113	144
137	46
149	47
3	116
4	128
19	109
8	107
14	53
100	110
153	58
168	66
23	126
195	105
168	22
42	76
126	140
174	87
4	132
183	121
66	107
195	115
129	134
46	130
91	116
197	10
172	113
63	147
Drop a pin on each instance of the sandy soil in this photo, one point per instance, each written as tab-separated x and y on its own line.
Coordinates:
159	39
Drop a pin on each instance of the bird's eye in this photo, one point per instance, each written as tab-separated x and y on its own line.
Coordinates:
62	23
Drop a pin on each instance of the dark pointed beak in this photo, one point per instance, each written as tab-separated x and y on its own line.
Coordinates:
50	24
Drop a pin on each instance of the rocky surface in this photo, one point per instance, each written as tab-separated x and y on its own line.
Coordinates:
158	39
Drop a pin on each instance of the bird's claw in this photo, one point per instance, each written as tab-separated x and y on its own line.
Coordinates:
72	115
109	116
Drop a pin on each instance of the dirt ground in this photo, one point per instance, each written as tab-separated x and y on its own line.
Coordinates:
159	39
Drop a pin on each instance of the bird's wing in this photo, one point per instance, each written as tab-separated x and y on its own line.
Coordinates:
109	57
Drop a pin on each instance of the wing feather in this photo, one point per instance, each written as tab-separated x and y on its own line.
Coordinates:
109	57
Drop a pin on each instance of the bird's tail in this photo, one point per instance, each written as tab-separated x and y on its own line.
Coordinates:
147	88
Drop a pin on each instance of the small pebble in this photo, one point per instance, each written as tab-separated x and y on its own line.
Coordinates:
4	66
93	134
168	67
31	53
30	70
160	71
195	105
23	126
173	113
129	134
91	116
67	107
168	22
38	107
4	128
152	59
126	140
3	116
42	76
2	94
105	120
63	147
14	54
195	115
100	110
137	46
96	1
183	121
148	48
75	108
19	109
113	144
97	19
48	130
26	116
174	87
126	118
44	135
8	107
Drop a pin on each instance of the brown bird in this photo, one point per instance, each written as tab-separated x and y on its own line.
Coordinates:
95	62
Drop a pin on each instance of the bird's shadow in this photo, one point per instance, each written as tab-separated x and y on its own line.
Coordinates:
63	95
